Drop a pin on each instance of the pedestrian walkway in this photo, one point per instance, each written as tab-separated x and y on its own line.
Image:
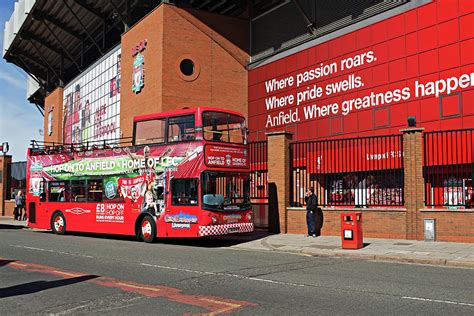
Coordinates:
10	221
398	250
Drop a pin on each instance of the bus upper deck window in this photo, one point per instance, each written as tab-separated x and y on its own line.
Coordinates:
181	128
223	127
150	132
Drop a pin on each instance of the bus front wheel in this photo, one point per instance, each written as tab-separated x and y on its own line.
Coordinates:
148	229
58	223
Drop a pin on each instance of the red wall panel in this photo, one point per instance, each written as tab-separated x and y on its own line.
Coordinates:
409	51
466	24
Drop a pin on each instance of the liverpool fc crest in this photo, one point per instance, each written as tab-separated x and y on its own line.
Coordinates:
138	73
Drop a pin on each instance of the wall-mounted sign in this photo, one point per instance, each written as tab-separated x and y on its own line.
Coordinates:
138	73
50	120
5	148
139	47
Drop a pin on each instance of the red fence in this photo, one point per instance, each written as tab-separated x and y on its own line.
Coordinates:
357	172
258	167
449	168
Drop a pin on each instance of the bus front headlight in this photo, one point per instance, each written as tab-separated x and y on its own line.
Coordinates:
249	216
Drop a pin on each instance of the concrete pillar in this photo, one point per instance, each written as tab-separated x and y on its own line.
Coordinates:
279	178
4	195
414	184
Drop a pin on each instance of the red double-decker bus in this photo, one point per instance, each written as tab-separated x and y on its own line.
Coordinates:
183	174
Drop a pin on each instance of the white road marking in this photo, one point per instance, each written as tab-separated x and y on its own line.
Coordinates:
238	276
53	251
436	301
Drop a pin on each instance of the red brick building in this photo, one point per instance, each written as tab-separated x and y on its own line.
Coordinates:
327	88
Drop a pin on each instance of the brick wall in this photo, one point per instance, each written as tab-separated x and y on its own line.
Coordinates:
375	223
4	161
54	102
9	208
149	99
214	43
451	225
279	174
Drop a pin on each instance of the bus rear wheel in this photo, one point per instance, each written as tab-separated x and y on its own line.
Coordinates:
58	223
148	229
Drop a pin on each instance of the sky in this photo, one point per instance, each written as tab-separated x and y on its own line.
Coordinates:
20	121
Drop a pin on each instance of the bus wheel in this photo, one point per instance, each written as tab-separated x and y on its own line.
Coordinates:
58	223
148	229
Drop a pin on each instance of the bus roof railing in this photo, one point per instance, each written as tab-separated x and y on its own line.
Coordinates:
42	147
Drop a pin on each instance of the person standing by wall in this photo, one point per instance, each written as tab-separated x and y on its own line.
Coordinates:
319	221
19	205
23	196
311	208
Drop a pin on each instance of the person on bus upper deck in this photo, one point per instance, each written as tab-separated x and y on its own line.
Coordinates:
216	135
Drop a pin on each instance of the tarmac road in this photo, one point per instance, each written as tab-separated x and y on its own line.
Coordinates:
42	273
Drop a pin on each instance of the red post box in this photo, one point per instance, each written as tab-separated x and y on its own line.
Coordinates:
351	230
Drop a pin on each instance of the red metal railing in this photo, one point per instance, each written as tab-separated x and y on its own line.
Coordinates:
358	172
258	167
448	168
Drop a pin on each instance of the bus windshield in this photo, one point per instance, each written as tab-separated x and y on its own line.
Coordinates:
225	191
224	127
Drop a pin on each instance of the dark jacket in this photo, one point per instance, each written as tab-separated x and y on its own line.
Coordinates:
311	202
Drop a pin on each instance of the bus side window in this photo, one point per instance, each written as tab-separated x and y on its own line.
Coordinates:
184	191
94	191
78	191
58	191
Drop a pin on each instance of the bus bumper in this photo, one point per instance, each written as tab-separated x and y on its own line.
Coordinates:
213	230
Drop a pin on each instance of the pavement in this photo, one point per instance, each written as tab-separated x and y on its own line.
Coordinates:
376	249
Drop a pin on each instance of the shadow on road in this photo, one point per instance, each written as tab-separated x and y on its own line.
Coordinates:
216	241
38	286
207	242
5	262
8	226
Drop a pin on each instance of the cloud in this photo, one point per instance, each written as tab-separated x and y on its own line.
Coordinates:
18	83
19	123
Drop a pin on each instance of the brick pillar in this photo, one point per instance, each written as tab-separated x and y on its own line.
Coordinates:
53	104
279	175
414	183
4	195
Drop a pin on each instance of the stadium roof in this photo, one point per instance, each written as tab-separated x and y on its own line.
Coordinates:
54	41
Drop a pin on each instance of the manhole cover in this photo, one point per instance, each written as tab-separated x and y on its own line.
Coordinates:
402	244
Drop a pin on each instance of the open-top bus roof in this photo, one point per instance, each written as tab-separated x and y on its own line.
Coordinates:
185	111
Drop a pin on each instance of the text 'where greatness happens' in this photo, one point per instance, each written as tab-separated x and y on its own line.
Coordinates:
313	92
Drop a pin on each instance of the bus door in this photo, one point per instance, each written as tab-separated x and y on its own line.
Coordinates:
182	216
